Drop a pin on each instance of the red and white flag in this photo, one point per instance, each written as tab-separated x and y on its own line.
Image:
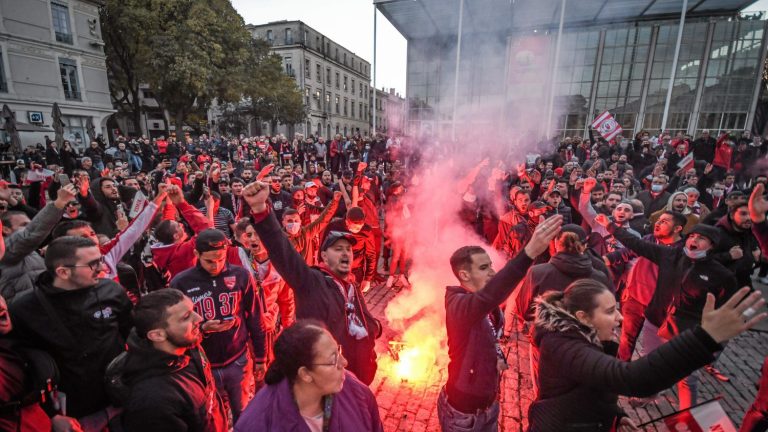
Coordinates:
608	127
707	417
686	163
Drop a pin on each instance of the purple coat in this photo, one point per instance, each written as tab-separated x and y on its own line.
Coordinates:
273	409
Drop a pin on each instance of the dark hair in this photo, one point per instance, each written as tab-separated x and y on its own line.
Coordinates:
63	251
236	180
151	312
294	349
598	188
164	232
241	226
580	295
462	258
216	196
61	228
7	216
678	218
570	242
289	212
355	214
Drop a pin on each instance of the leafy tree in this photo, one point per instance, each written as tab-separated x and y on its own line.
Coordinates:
124	25
199	53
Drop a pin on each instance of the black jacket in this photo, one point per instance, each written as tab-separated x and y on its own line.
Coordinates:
85	331
653	204
473	378
364	249
682	282
562	269
169	393
230	294
742	268
318	296
579	382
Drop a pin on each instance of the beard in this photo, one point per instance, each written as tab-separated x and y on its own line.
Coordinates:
184	342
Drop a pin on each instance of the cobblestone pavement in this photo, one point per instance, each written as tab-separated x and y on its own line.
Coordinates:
412	406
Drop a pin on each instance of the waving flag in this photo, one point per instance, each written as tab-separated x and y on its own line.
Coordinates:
608	127
707	417
686	163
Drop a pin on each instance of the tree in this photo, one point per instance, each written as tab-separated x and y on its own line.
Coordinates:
199	52
274	96
124	28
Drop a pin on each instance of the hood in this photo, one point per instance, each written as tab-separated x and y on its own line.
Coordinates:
99	195
163	253
573	264
727	225
672	199
144	361
553	319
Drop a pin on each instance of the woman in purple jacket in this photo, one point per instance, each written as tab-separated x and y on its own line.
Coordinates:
308	389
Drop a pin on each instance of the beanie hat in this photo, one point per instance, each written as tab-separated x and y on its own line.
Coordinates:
708	231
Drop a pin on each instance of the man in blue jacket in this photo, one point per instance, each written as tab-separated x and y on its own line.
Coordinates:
474	323
231	308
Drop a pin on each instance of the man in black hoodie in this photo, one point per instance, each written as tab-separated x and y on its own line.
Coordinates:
80	319
474	322
169	386
103	205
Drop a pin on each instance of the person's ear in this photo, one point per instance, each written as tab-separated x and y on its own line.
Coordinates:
678	229
157	335
63	272
583	318
464	276
303	375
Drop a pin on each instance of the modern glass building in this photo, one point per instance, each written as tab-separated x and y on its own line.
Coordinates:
616	55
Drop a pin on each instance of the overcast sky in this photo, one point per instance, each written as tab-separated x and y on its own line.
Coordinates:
350	24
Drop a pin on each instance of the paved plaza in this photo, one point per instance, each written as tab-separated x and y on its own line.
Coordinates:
409	406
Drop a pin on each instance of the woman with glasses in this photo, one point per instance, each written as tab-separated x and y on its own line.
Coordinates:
308	388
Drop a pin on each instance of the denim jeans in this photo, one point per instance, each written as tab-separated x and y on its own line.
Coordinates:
233	383
453	420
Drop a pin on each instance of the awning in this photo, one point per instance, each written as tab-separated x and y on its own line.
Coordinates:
26	127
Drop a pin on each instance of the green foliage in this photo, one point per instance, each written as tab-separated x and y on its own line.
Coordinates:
189	51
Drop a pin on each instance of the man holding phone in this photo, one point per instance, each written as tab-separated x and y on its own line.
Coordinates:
224	295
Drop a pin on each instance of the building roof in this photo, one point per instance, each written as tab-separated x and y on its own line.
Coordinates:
416	19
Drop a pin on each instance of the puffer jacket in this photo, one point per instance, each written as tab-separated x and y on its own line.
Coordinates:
168	392
473	377
580	379
21	263
730	237
557	274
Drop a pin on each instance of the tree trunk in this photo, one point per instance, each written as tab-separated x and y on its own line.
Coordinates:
180	115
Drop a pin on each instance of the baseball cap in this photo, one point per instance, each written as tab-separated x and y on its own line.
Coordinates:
210	239
536	205
309	184
335	236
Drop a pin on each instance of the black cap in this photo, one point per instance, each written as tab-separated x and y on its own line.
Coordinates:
210	239
708	231
576	229
335	236
536	205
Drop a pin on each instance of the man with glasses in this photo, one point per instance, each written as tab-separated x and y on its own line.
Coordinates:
78	318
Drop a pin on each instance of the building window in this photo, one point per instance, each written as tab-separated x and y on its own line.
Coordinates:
3	81
288	36
337	128
345	58
61	28
319	73
345	83
306	42
360	110
337	59
318	99
352	109
306	96
327	101
148	94
327	47
337	80
346	102
68	70
328	76
361	89
337	104
352	87
289	67
270	37
306	68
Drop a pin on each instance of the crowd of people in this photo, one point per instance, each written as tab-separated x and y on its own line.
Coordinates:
218	283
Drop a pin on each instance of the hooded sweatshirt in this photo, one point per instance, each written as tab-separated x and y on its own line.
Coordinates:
168	392
562	269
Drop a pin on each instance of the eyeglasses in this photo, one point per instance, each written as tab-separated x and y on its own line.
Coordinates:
93	265
73	204
336	363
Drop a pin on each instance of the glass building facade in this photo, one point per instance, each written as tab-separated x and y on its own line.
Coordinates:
623	68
